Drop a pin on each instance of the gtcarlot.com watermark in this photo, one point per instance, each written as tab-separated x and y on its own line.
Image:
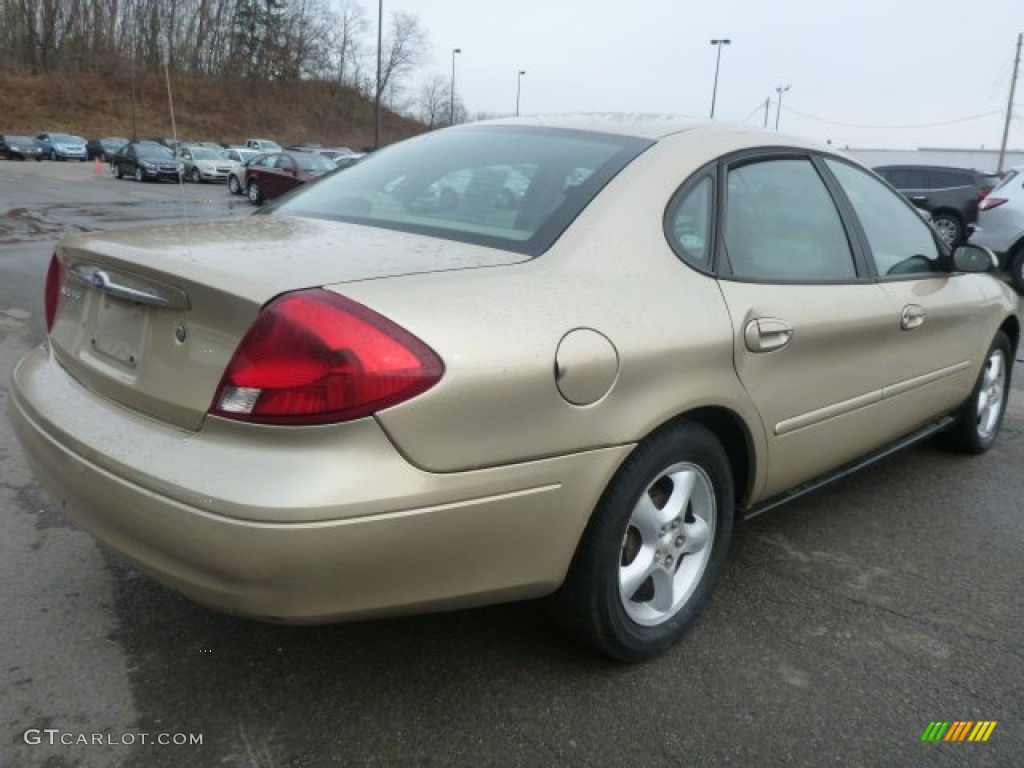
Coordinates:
55	736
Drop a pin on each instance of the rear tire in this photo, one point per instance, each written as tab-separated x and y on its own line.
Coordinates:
139	175
194	176
233	186
642	572
980	417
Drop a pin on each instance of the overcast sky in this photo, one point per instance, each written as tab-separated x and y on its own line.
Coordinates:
875	73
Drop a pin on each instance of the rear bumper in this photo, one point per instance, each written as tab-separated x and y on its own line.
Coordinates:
303	525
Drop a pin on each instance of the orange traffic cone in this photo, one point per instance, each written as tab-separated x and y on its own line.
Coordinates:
97	167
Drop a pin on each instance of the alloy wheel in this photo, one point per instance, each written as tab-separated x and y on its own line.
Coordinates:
991	394
667	544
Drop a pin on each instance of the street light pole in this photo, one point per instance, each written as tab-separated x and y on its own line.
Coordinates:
376	99
451	116
778	109
519	85
718	60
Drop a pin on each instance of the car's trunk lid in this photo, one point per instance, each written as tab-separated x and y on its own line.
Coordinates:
151	317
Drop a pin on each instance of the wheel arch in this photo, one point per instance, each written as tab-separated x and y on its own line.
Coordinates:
1011	327
735	437
945	210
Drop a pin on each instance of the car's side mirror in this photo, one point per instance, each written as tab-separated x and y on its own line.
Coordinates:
974	258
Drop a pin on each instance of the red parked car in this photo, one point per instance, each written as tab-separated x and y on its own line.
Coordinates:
272	175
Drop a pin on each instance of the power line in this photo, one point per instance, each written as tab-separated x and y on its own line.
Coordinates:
893	127
758	108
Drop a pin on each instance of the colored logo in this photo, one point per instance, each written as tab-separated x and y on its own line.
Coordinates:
959	730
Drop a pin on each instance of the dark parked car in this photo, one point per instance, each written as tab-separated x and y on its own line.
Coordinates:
272	175
144	161
950	195
62	146
104	148
20	147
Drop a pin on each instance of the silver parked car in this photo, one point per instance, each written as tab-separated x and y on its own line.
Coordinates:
1001	224
204	164
236	176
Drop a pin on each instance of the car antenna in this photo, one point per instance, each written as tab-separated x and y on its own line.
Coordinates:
174	139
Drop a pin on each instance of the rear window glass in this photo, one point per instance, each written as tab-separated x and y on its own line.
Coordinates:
509	187
153	150
1007	178
313	163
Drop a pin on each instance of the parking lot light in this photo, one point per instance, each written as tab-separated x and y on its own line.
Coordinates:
718	60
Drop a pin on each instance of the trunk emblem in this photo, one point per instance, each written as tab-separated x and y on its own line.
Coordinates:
180	333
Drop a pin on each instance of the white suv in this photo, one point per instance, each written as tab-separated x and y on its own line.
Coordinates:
1001	224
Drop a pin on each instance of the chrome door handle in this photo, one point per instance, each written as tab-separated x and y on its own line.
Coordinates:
913	316
766	334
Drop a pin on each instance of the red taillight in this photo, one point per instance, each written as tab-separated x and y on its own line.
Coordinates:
313	357
991	202
52	294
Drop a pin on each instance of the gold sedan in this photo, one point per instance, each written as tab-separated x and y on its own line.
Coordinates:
500	361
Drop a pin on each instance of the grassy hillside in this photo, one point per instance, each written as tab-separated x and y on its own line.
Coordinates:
91	106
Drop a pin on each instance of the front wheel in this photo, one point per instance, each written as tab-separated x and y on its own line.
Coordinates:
1017	269
978	421
654	548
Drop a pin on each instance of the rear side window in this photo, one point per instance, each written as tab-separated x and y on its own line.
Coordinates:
948	179
509	187
688	224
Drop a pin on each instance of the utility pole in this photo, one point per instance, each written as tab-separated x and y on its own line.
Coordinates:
1009	105
718	60
767	102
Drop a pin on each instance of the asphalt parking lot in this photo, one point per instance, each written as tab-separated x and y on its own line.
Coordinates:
847	621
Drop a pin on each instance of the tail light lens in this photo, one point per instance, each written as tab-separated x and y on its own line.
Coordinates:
991	202
52	292
313	357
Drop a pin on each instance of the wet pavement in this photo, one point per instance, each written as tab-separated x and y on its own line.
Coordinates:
846	623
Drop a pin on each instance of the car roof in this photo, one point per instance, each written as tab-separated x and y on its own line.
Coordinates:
925	167
656	127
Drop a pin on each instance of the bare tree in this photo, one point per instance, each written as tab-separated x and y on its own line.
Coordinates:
350	27
433	102
402	51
